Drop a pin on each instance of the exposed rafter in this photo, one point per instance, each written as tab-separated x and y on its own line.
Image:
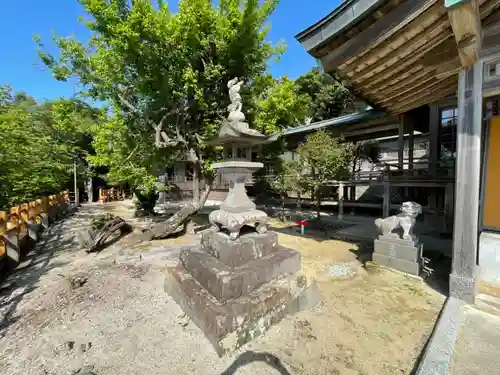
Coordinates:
374	35
407	55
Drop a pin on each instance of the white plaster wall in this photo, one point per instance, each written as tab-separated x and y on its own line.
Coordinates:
489	257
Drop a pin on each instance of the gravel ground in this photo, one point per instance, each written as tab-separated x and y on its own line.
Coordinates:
64	309
120	321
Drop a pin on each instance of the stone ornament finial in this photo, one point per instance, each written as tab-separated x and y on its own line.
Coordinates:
236	106
405	220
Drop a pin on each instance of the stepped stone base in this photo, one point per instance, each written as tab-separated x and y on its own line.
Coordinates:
246	248
234	289
225	282
229	325
404	255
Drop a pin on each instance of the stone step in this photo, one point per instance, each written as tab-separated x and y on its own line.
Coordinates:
225	282
230	325
237	252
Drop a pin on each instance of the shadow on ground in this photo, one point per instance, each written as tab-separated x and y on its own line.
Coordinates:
250	356
19	280
435	273
437	266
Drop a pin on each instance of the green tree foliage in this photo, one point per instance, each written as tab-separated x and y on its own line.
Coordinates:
290	179
164	75
323	159
281	105
38	144
328	97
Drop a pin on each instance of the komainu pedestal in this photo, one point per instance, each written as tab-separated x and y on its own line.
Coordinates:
403	253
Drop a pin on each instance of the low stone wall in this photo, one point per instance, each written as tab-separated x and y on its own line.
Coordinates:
489	257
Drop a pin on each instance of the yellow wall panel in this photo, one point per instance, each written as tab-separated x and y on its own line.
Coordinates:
491	213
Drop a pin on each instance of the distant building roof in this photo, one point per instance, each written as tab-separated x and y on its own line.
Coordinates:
368	114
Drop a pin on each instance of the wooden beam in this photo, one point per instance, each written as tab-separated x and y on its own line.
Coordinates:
377	33
394	80
419	77
425	78
406	42
448	70
432	39
443	53
488	7
491	34
424	90
374	129
404	66
425	98
446	65
466	25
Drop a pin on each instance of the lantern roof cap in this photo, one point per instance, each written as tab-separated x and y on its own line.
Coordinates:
239	132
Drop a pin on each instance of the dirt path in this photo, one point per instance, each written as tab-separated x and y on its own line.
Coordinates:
122	322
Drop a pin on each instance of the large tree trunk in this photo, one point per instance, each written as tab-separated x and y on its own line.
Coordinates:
166	228
183	216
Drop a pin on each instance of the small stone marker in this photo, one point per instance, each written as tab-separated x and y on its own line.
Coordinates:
341	270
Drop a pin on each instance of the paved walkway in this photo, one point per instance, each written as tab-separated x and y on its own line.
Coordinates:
477	350
466	339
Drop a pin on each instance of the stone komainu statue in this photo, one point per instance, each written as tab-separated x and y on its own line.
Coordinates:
405	220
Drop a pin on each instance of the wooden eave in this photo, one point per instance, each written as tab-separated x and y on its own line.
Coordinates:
407	58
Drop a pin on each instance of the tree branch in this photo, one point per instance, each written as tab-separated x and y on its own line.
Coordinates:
132	153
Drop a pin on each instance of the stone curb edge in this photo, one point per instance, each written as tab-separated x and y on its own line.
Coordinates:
438	352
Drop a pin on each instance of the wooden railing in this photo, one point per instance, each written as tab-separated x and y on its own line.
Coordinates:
27	220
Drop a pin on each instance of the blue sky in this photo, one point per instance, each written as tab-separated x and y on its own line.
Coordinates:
19	20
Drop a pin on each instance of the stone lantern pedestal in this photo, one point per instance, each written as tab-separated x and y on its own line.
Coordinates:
238	281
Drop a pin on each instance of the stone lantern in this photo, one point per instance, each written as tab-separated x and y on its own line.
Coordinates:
237	168
234	285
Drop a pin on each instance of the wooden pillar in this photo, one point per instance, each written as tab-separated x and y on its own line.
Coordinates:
401	142
433	156
433	139
341	201
448	208
386	205
411	144
468	165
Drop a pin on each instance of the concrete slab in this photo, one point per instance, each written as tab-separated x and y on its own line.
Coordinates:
478	344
